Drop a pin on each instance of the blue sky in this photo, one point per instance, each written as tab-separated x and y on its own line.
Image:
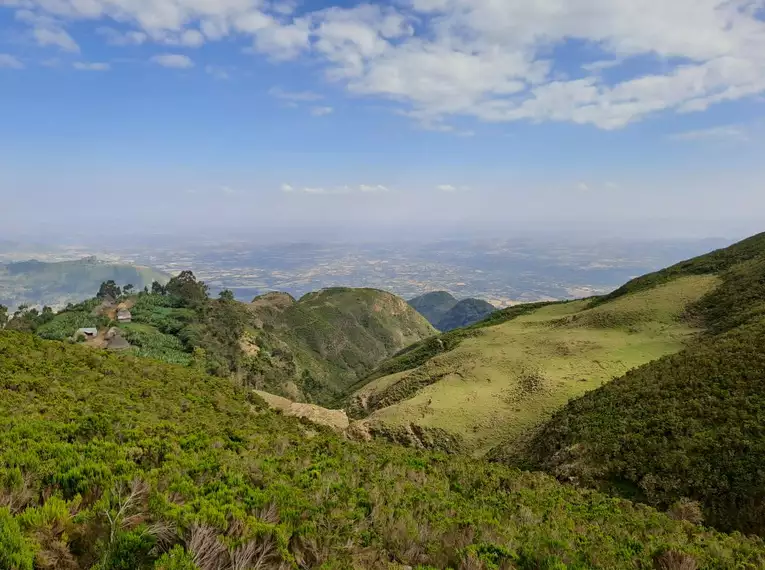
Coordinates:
234	114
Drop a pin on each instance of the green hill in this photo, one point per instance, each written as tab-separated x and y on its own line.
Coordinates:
329	339
307	350
60	283
433	306
465	313
115	462
688	427
446	313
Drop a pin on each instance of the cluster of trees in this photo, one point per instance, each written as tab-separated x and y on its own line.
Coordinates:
25	318
115	462
184	286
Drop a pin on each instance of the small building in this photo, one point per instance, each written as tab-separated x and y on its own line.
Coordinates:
118	343
124	316
88	333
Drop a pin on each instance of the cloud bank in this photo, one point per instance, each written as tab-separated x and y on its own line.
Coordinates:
485	59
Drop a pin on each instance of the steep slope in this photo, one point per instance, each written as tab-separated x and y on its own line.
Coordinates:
334	337
497	380
57	284
433	306
446	313
115	462
465	313
686	427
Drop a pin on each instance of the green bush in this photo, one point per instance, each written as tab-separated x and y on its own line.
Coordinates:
176	559
15	550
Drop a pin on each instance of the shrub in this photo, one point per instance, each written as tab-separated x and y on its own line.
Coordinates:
15	551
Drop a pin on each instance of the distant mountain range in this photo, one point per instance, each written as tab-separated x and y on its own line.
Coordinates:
58	283
446	312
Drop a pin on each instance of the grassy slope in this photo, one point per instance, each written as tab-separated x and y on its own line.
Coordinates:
81	431
68	281
687	426
502	380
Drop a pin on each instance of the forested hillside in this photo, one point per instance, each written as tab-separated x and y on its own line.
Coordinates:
308	350
116	462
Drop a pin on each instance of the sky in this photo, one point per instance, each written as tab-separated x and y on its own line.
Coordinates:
643	116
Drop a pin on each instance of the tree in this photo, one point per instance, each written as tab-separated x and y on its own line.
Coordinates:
109	289
187	288
127	289
3	316
157	288
24	319
226	295
46	316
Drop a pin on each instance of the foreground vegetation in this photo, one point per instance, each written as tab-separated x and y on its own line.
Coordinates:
117	462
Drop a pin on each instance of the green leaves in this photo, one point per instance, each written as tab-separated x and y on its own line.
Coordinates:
16	552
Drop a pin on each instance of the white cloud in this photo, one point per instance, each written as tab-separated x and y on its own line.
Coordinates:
173	60
285	7
47	31
217	72
723	133
283	42
373	188
55	37
600	65
117	38
91	66
321	111
192	38
10	62
344	189
485	59
612	185
583	187
450	188
294	96
228	191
